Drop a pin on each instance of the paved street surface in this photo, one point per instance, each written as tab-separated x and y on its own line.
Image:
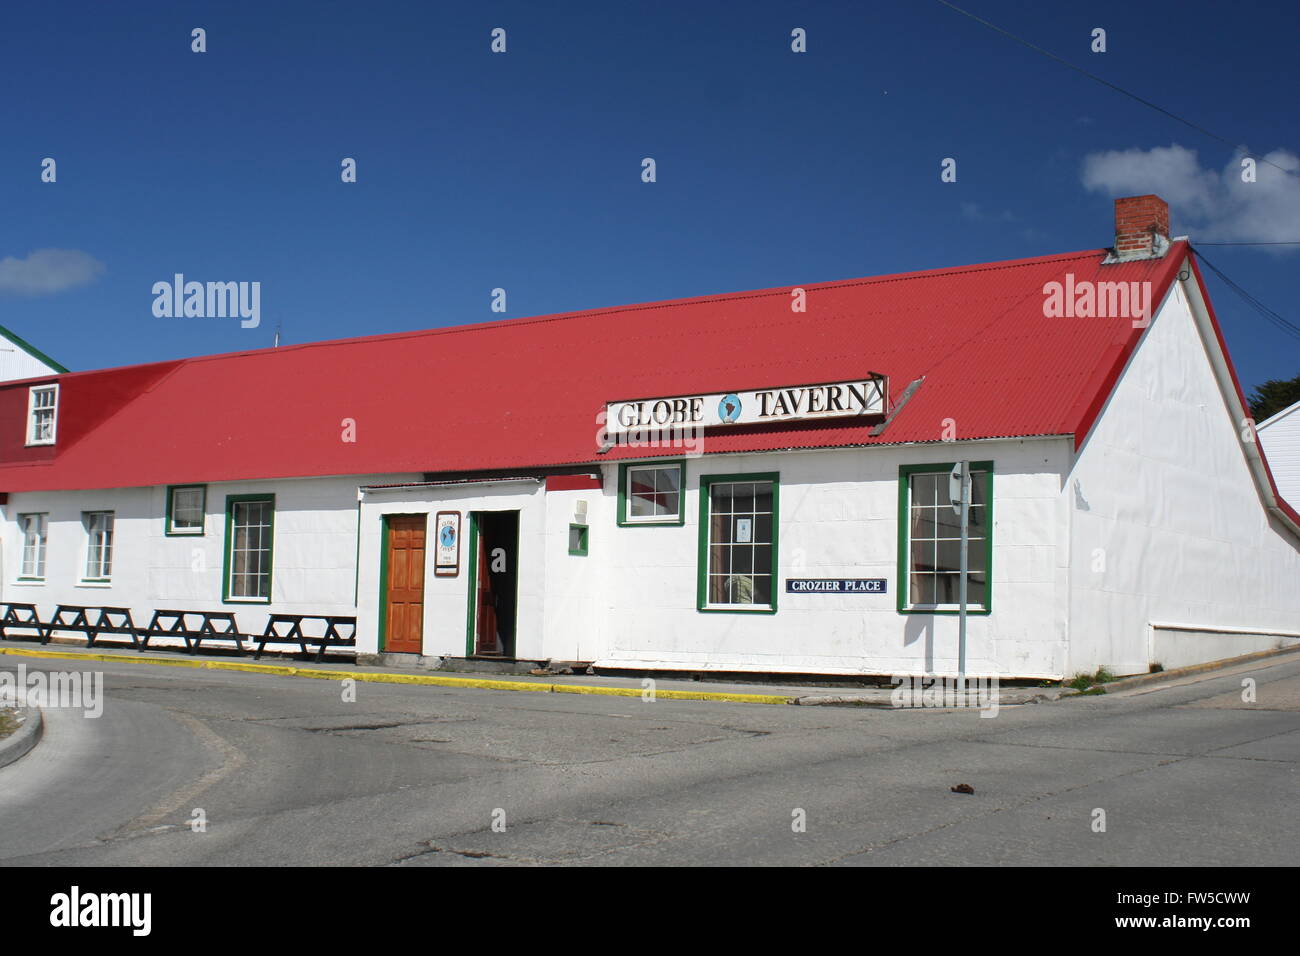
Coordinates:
286	772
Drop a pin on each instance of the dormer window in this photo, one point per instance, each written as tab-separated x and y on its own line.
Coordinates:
42	414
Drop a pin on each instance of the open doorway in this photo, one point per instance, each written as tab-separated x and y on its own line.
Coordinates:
494	582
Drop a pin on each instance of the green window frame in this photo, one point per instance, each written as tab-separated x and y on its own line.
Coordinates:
236	561
729	562
980	549
169	528
578	539
661	490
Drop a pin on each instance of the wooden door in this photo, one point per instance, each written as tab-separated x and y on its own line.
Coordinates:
404	601
485	618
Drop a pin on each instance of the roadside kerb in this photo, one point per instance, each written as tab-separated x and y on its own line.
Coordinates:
380	677
1139	680
20	742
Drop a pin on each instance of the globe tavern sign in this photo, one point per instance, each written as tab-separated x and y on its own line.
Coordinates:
764	406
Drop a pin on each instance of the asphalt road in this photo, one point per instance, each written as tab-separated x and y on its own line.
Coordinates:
286	772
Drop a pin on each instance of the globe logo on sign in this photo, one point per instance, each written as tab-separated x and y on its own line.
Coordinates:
729	409
447	536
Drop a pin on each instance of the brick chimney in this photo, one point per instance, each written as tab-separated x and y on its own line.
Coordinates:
1141	227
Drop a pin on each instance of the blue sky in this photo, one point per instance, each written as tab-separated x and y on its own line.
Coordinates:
522	170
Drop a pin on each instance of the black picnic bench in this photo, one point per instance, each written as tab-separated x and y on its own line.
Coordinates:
21	615
192	627
92	621
209	626
275	633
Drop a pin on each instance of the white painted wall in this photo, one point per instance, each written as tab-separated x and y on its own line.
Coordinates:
576	594
17	363
1280	439
314	554
1166	523
839	519
446	598
631	602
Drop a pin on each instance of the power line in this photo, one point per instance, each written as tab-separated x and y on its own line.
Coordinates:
1295	242
1118	89
1277	320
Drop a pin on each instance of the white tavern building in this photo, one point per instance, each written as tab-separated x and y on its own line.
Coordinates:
751	483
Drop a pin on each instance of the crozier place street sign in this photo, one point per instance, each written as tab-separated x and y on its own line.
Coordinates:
764	406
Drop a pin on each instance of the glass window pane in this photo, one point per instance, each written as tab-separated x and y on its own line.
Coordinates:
923	489
947	524
740	551
250	554
187	508
743	499
640	493
922	555
948	555
742	589
922	522
720	528
653	492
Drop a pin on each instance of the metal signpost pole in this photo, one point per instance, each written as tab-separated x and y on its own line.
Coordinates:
961	479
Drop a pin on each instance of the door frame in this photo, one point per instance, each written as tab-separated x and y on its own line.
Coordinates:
383	575
471	562
471	601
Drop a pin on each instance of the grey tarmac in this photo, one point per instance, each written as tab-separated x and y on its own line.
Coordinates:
285	771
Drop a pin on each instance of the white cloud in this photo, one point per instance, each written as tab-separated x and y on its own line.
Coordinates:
1203	202
48	270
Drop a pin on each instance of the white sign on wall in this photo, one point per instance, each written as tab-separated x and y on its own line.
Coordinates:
446	560
764	406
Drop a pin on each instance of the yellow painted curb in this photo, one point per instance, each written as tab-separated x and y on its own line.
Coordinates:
429	680
74	656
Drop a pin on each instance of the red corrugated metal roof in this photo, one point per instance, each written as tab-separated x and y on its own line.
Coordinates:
527	392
